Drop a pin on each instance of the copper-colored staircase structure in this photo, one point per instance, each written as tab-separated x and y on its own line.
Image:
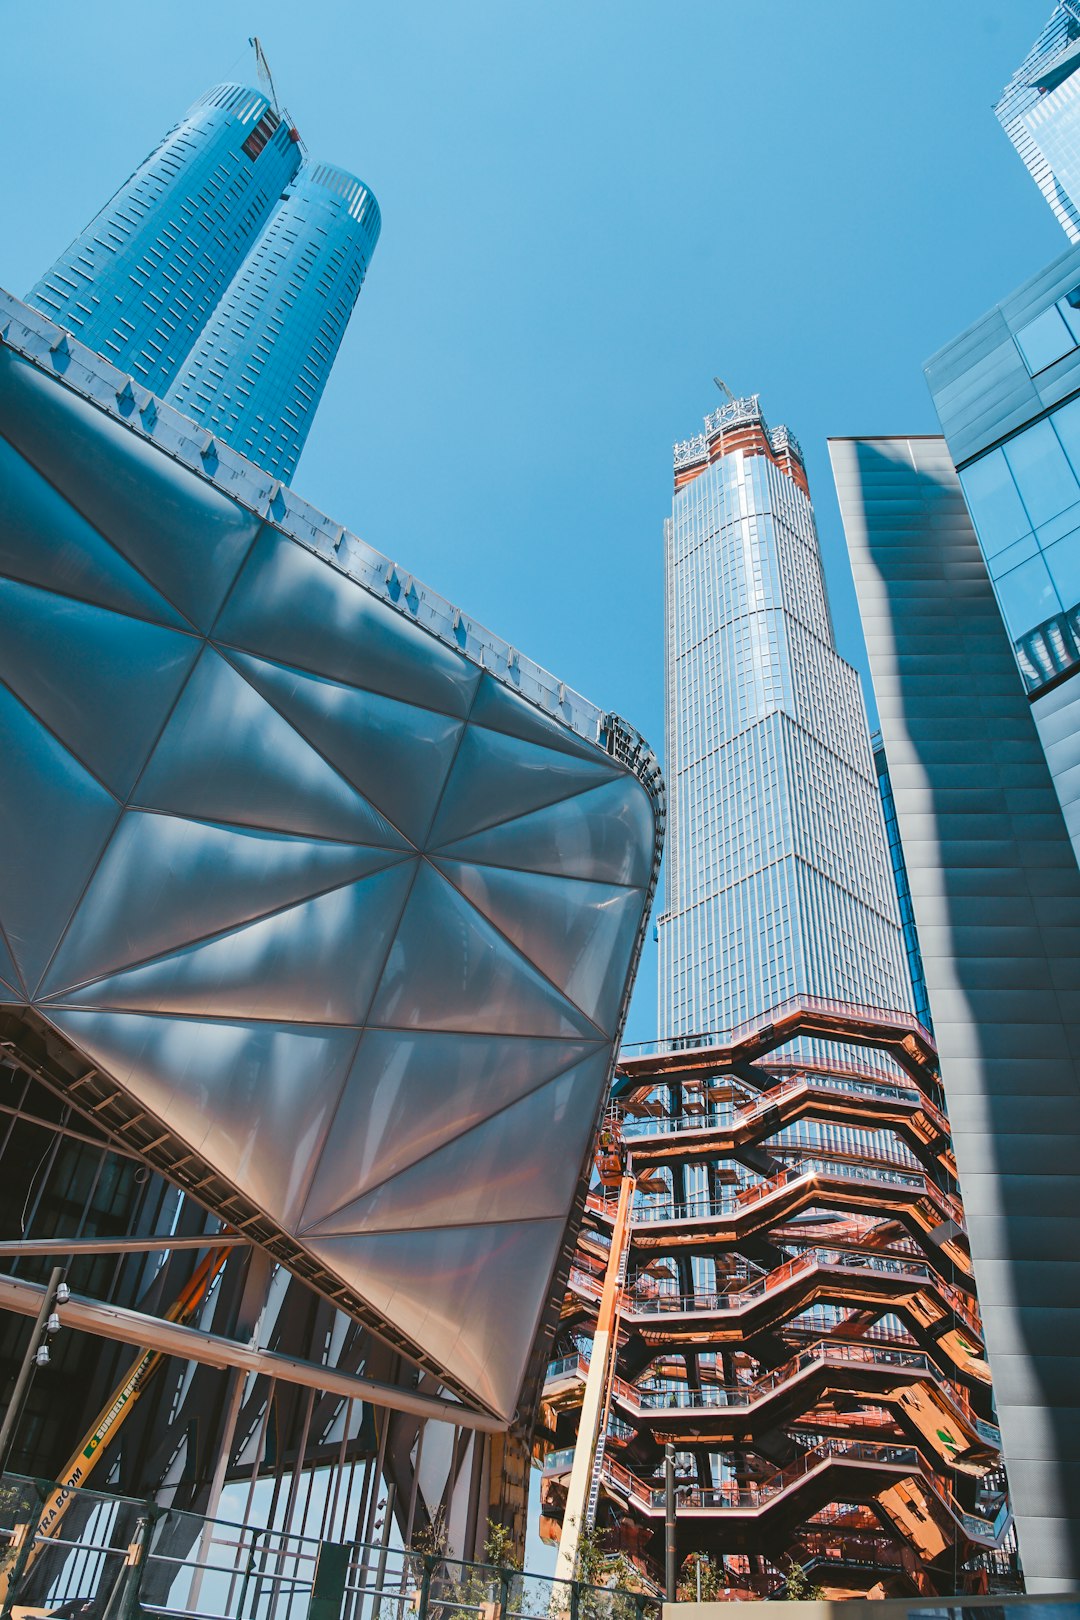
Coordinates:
798	1318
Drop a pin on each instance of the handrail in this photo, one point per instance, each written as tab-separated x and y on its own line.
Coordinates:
738	1497
706	1208
725	1115
894	1018
660	1301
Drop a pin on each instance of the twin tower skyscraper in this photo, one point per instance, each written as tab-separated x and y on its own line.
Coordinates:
222	274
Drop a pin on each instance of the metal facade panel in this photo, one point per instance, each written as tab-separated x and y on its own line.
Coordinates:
224	756
981	385
1057	716
996	893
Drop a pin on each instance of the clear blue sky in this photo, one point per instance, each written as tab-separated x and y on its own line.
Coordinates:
589	207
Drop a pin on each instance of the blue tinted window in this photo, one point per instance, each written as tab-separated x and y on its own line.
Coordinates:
1063	561
1027	596
1067	423
1013	556
996	508
1046	481
1044	340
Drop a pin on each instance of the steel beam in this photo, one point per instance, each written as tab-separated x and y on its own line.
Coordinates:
137	1245
189	1344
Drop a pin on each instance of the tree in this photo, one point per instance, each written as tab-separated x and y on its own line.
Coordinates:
702	1580
798	1587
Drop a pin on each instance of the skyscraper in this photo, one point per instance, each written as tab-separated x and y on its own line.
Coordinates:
222	275
787	1260
258	370
141	281
1007	392
1039	110
778	880
996	894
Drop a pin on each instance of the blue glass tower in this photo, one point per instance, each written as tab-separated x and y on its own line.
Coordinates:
141	281
1039	110
778	879
257	372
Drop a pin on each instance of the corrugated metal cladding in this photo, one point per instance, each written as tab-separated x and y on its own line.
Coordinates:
996	893
347	916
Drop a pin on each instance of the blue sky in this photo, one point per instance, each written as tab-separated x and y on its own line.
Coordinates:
589	209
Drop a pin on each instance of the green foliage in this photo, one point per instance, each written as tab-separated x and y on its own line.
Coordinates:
702	1580
798	1587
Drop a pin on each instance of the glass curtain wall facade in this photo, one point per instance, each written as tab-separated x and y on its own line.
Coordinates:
258	371
903	885
778	880
222	275
140	282
1007	392
1039	110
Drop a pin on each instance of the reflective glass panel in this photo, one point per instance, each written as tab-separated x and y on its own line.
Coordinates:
1065	523
1046	481
1013	556
995	504
1044	340
1027	596
1063	561
1067	423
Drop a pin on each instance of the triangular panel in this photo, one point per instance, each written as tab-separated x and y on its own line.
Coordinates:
226	755
408	1093
45	542
503	1170
254	1100
605	835
54	822
502	710
470	1296
579	934
165	882
496	776
314	963
179	531
103	682
293	607
395	753
9	974
449	969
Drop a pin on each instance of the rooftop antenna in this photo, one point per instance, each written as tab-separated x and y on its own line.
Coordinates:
266	78
724	389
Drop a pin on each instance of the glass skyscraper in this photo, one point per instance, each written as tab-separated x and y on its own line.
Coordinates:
222	274
258	371
778	878
1039	110
144	277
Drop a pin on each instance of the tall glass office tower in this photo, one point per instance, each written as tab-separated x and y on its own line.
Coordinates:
1039	110
141	281
778	878
222	275
258	371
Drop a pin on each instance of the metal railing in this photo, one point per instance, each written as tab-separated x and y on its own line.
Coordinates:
889	1019
723	1116
130	1558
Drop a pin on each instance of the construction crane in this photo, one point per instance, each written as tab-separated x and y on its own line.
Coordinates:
262	67
724	389
113	1414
